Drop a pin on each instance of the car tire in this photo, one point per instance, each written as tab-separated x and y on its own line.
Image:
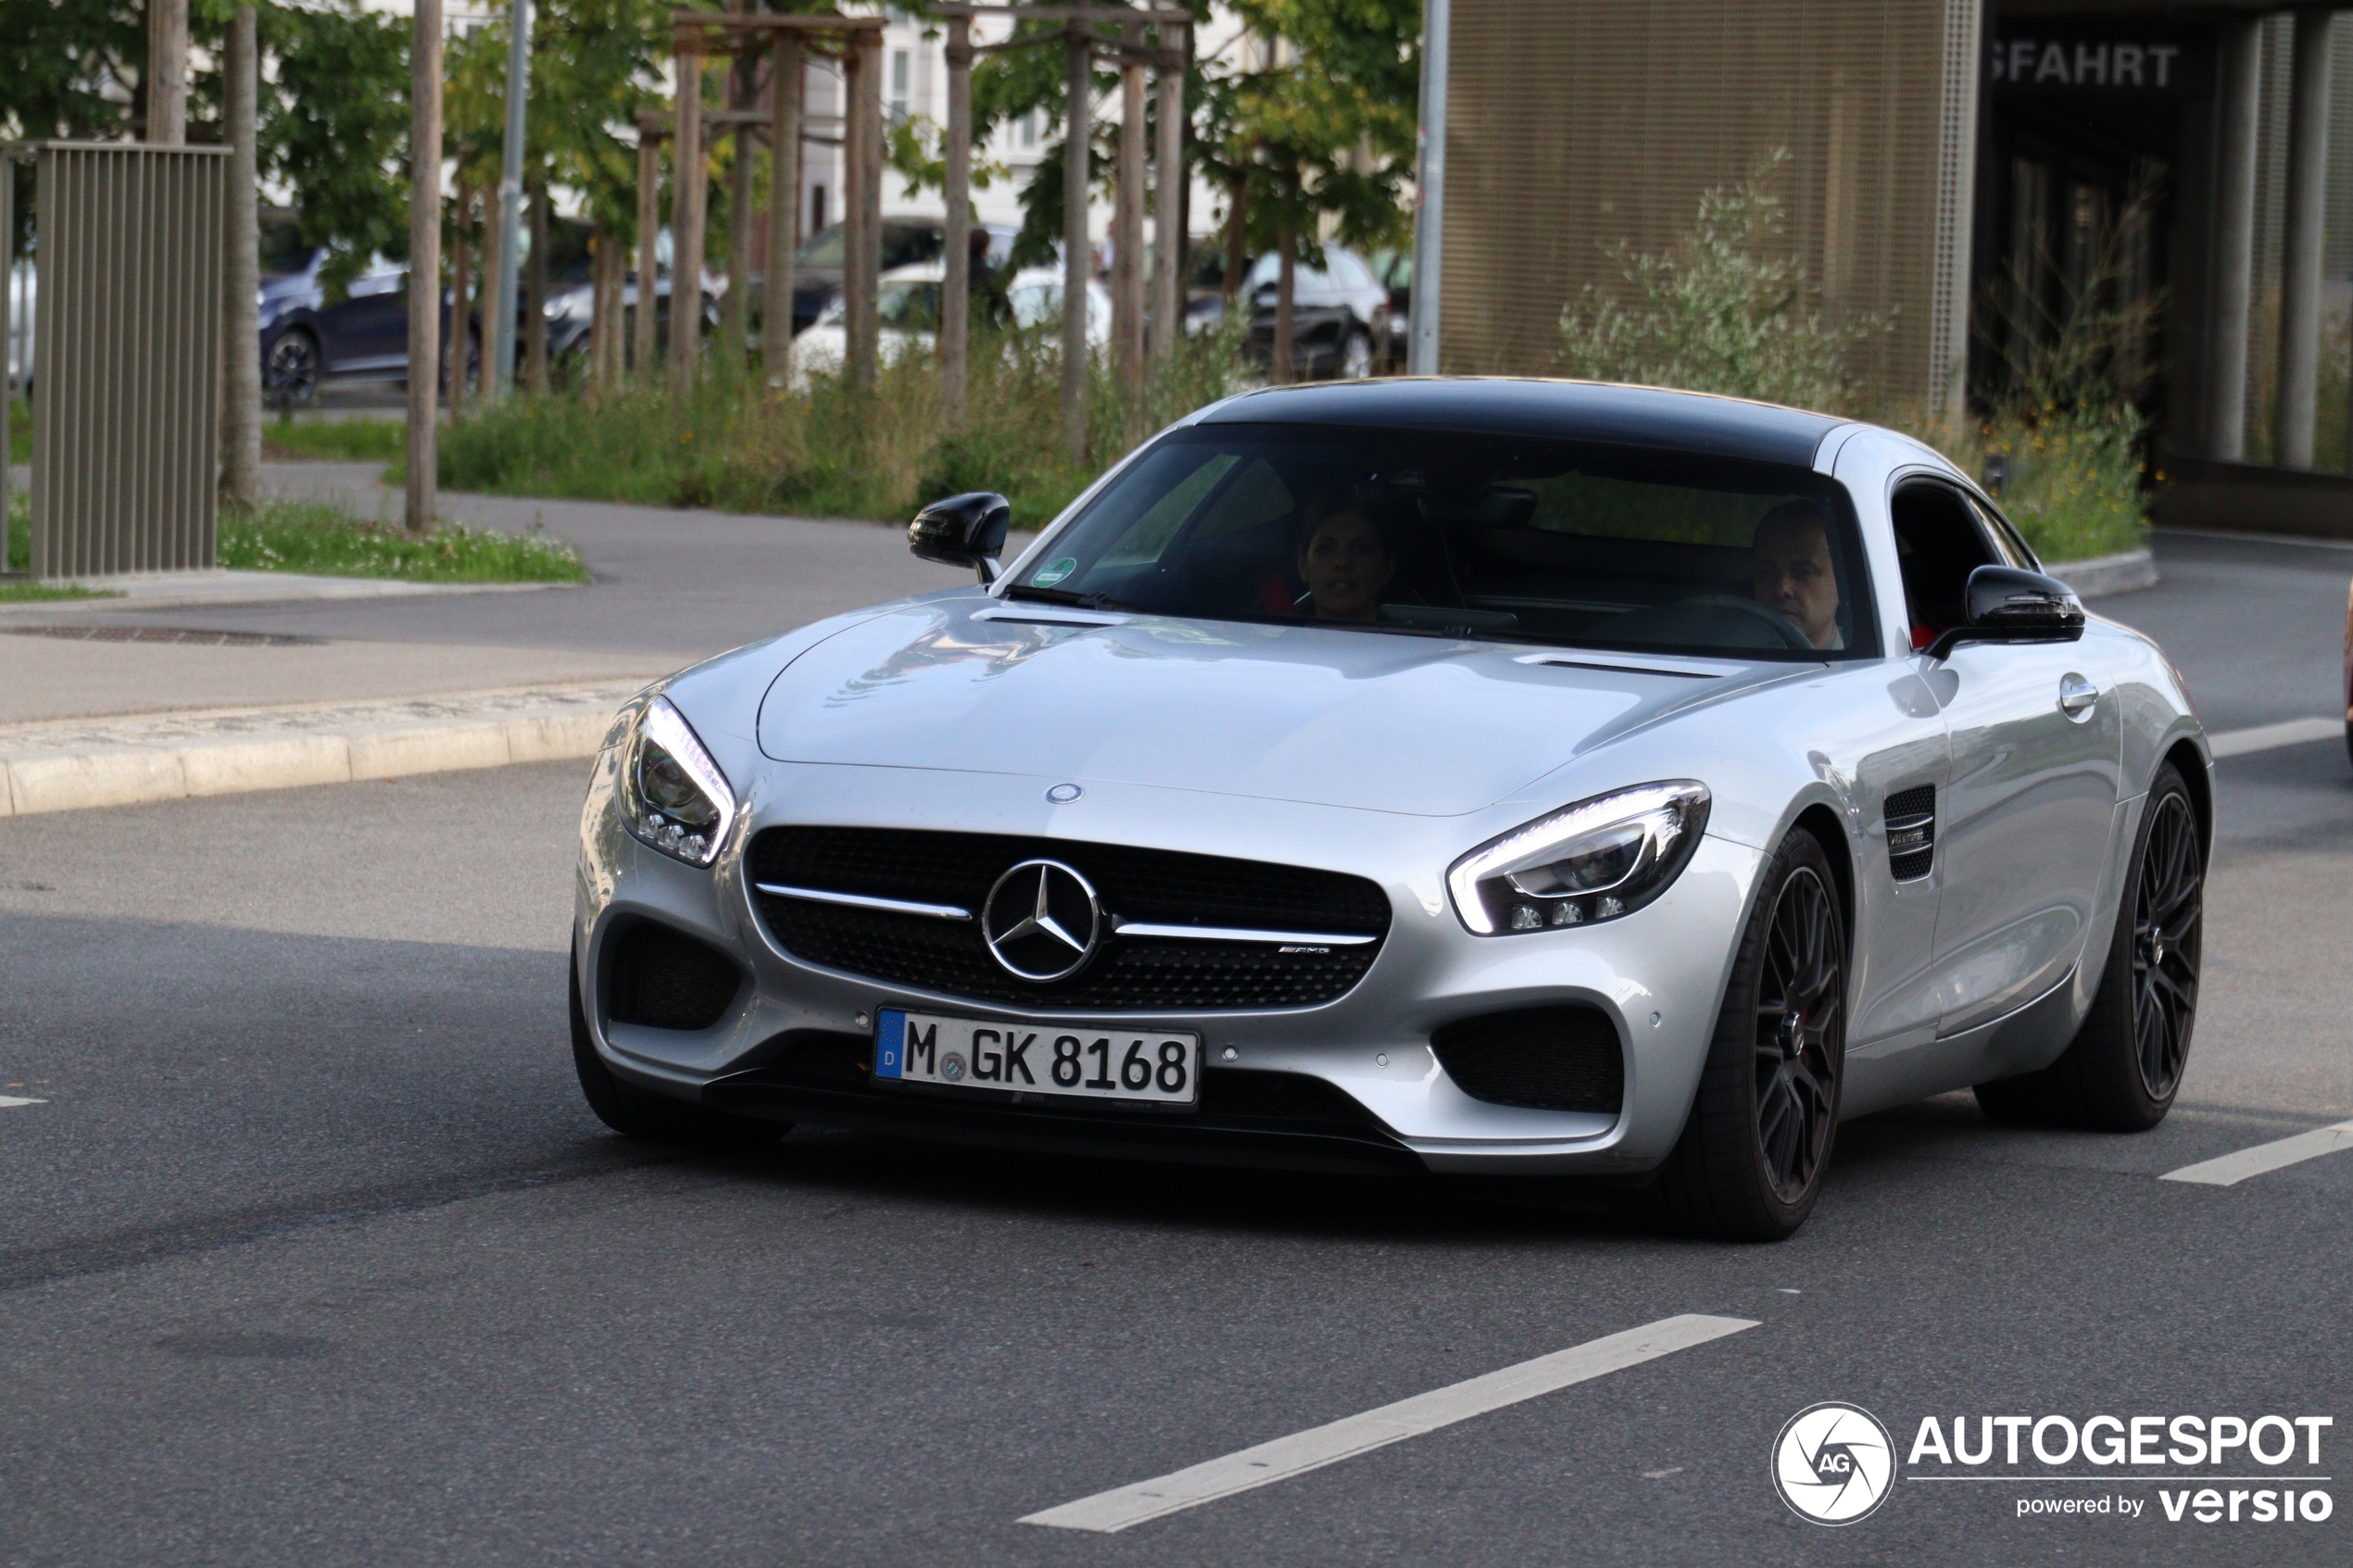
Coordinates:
2124	1066
290	371
1356	358
1750	1163
649	1117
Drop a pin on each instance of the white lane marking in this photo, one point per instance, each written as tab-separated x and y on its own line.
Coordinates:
1345	1438
2271	737
2233	1169
10	1102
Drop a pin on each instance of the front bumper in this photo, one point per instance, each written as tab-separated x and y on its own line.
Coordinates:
1657	975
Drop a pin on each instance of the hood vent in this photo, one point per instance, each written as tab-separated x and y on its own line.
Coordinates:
1911	833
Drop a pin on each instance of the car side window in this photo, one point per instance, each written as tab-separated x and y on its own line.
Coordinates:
2013	548
1939	543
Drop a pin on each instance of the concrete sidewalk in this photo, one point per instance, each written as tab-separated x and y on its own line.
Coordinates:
74	764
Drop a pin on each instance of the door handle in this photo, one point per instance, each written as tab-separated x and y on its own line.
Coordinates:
2077	697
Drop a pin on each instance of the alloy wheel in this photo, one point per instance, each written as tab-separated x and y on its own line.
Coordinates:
2165	911
1800	1040
292	375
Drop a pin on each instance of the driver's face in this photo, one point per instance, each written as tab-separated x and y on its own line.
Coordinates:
1792	563
1346	567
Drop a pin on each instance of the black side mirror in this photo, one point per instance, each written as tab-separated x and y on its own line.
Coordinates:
2005	605
963	531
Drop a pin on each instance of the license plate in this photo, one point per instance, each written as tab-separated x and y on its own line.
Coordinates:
1157	1067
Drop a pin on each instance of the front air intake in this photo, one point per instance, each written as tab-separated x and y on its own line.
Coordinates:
1544	1059
664	979
1911	833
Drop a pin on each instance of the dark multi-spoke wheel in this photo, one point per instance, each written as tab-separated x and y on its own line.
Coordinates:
290	376
2125	1063
1751	1159
1799	1011
2165	945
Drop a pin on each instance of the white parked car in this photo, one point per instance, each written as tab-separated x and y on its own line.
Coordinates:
907	304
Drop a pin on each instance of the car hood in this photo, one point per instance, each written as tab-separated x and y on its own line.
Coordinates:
1380	723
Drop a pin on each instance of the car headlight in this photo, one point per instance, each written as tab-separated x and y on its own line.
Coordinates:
1595	860
673	798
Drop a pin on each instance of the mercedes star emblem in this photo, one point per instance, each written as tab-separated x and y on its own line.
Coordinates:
1042	920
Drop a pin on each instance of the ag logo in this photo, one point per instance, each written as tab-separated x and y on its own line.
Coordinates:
1833	1463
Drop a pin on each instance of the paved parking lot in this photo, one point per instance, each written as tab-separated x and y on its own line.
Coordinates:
313	1255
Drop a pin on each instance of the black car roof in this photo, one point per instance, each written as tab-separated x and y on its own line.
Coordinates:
1617	416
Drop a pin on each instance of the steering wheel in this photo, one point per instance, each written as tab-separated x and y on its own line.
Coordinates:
1781	626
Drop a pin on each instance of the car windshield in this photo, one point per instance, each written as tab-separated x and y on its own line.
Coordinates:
1441	533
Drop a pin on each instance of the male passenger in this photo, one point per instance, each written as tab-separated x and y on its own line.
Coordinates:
1790	562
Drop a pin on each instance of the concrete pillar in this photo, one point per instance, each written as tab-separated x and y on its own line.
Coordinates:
1429	176
1078	136
955	290
687	196
784	210
1168	206
2238	94
2308	170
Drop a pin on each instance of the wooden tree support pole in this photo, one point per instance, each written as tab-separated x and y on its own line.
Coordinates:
955	294
1077	138
785	88
1127	239
642	348
734	313
1169	239
461	281
863	134
687	179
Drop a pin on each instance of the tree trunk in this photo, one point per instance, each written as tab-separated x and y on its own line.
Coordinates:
535	330
493	293
1077	141
241	278
1236	236
1285	274
424	265
167	77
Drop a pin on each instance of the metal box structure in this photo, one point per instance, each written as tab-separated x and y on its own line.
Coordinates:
126	375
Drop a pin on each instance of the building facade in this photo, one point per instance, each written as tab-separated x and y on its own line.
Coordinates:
1964	173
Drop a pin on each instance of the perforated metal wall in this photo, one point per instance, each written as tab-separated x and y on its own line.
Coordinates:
1577	124
126	359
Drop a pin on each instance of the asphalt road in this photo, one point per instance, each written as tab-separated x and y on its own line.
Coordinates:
311	1254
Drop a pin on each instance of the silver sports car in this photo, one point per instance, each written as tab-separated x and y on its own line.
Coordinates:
1470	776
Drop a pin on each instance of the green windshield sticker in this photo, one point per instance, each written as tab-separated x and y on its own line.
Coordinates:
1054	571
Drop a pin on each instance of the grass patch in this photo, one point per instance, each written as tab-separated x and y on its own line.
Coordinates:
829	449
358	440
2074	486
19	556
308	536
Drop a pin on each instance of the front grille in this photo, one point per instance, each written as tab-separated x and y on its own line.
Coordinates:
1545	1059
664	979
1152	886
1911	833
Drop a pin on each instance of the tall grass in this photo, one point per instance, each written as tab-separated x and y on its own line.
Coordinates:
831	449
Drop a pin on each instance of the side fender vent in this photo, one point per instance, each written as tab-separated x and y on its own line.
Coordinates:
1911	833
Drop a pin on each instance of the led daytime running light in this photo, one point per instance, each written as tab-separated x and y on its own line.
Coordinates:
698	845
1670	813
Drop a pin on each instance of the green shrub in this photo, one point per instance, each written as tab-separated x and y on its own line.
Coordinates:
828	449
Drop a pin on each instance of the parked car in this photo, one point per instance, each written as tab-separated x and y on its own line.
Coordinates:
907	313
1340	315
1493	777
817	265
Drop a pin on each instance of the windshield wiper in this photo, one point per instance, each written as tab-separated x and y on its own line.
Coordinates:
1061	596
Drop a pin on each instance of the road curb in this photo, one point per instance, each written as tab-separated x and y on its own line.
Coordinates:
54	767
2127	573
